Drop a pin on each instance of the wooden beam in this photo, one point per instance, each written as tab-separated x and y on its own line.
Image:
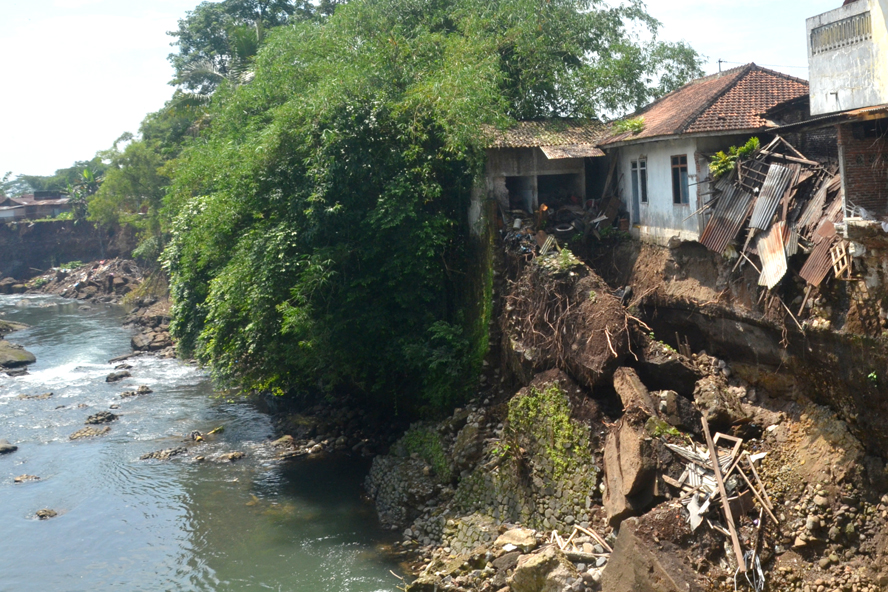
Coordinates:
726	506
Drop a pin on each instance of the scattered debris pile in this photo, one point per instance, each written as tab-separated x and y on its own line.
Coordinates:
102	281
788	205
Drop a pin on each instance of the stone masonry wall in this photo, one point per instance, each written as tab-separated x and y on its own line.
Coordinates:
27	248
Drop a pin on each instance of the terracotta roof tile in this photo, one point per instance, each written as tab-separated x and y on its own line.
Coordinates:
551	132
729	101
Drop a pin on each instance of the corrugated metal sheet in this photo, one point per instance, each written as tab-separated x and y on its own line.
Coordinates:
832	215
814	208
772	251
818	264
778	180
728	216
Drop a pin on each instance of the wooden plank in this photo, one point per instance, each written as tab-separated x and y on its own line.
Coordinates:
610	177
757	496
726	506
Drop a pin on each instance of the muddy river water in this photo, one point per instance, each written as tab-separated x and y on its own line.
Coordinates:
128	524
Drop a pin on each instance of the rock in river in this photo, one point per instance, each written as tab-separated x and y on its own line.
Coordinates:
165	454
6	447
117	376
89	433
46	514
14	356
26	478
101	417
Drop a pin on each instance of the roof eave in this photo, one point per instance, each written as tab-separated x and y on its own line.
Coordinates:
667	137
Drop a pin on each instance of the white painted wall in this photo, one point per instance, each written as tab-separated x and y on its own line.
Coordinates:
660	219
855	75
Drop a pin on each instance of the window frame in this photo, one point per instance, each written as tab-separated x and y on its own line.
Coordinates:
639	180
681	192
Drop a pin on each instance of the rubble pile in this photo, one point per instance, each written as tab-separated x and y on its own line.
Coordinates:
640	504
101	281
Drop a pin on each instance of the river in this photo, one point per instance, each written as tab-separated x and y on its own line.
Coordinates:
127	524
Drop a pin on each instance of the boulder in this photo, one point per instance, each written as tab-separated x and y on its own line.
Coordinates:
14	356
117	376
284	442
506	561
662	369
520	538
427	583
89	433
141	341
718	402
632	391
165	454
639	563
629	467
6	447
46	514
6	285
100	418
546	571
41	397
678	411
26	478
7	327
467	449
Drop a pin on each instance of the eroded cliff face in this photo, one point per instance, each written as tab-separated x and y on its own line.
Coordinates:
628	364
830	347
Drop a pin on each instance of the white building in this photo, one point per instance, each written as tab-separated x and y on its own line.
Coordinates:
663	169
848	57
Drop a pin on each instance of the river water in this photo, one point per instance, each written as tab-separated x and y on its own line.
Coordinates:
125	524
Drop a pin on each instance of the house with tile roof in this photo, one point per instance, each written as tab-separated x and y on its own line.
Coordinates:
663	161
546	162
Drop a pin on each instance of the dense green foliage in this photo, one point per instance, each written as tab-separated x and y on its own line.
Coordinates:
320	237
544	416
725	162
426	443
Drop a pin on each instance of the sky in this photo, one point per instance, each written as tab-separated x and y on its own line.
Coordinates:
77	74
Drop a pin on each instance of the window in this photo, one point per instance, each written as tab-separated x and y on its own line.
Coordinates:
680	190
640	181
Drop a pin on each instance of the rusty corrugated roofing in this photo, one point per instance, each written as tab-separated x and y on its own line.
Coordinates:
727	218
814	208
728	101
566	133
772	251
818	264
776	184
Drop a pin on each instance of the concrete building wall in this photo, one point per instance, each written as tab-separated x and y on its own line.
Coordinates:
660	218
864	149
848	57
530	164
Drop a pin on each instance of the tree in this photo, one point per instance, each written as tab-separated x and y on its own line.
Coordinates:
217	40
320	239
